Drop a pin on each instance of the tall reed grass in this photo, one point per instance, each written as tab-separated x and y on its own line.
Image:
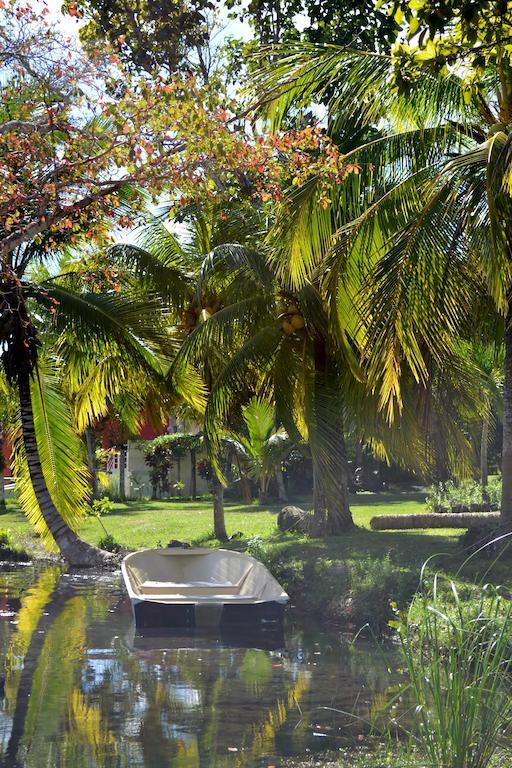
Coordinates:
458	654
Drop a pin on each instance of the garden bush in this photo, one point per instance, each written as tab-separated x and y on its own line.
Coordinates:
9	550
466	496
366	598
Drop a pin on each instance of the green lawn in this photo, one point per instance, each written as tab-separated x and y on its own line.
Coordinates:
145	523
137	524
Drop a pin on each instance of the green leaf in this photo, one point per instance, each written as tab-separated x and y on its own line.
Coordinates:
60	451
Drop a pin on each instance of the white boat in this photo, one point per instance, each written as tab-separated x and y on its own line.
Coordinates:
201	587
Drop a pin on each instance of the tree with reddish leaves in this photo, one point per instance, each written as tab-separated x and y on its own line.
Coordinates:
79	137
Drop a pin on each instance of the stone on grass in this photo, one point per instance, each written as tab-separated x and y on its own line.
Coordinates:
294	519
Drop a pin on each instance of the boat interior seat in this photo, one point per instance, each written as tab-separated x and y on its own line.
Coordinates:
184	569
194	587
176	597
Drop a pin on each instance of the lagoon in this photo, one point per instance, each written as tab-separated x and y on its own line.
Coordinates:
80	689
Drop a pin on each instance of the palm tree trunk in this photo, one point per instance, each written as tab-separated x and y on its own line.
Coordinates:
193	473
319	504
245	483
331	507
219	523
31	660
122	473
263	491
91	460
484	469
73	549
506	457
281	488
245	487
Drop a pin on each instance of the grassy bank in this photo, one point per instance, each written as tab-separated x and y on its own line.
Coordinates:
351	578
146	523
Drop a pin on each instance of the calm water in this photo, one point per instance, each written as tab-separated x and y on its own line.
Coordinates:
78	688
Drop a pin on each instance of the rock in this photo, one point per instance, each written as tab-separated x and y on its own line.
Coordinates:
339	569
176	544
294	519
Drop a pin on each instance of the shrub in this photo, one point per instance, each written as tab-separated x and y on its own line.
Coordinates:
488	540
110	544
9	550
256	548
179	487
466	496
289	572
372	586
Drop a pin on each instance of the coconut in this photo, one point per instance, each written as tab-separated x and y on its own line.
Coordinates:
497	128
297	321
287	327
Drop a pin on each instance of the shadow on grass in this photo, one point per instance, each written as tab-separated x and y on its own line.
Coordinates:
406	549
164	506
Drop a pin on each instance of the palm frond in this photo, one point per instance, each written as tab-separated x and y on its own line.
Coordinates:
235	321
354	84
231	260
259	418
60	452
432	268
154	270
135	322
257	353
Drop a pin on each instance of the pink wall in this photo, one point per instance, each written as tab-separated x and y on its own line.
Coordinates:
7	456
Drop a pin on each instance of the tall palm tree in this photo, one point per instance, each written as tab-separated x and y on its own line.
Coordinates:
277	342
490	359
7	410
157	259
269	355
430	211
47	458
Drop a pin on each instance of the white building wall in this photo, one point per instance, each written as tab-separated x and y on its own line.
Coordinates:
137	483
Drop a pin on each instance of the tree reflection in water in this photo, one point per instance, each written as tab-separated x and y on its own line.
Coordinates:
79	693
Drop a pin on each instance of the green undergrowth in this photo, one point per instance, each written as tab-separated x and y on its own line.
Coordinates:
381	755
352	581
10	549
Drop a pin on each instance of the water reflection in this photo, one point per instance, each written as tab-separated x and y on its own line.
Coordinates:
80	690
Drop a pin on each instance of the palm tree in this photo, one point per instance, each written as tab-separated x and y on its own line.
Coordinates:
429	210
263	447
48	463
159	261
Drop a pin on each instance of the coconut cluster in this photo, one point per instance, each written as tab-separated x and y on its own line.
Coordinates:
291	318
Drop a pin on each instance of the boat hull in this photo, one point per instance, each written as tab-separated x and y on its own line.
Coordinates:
150	614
